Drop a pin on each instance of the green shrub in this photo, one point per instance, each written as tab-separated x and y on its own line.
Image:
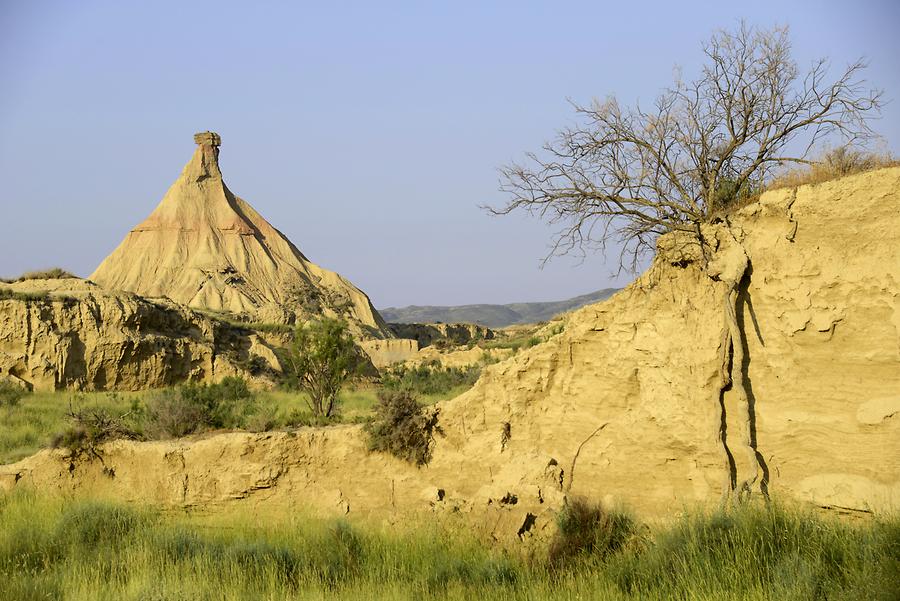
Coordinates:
192	408
429	378
585	528
11	394
403	427
322	358
170	415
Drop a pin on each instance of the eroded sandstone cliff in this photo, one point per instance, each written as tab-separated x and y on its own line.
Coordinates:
72	334
631	403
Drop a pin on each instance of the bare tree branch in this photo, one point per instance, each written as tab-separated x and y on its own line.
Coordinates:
630	175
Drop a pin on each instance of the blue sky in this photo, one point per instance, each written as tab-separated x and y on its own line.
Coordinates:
369	133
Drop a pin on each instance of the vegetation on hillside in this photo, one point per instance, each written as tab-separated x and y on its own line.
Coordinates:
403	427
321	359
54	273
429	378
31	421
7	294
839	162
85	549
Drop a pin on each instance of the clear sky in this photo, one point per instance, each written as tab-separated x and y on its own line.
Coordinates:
367	132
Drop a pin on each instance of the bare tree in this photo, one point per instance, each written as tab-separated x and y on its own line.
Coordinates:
630	175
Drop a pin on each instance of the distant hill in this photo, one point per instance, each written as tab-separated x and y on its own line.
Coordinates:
493	316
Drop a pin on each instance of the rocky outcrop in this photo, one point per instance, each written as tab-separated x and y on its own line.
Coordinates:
447	334
627	404
72	334
459	357
206	248
629	400
383	353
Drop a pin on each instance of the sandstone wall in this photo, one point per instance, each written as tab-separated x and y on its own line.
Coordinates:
387	352
427	334
60	334
631	386
625	404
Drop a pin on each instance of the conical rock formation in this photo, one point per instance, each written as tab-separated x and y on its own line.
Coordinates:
206	248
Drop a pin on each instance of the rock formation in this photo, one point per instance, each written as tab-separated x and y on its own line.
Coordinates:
626	404
448	334
206	248
72	334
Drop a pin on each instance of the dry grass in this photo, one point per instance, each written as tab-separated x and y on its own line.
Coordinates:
831	165
837	163
54	273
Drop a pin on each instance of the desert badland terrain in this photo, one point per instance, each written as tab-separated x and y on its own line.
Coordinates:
212	415
624	403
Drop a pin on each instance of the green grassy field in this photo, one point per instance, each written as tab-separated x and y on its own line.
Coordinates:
94	550
31	424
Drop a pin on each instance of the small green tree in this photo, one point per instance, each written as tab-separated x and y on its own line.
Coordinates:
321	360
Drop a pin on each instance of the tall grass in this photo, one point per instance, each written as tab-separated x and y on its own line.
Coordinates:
36	419
88	549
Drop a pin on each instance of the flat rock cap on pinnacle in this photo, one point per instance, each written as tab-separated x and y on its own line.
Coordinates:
208	138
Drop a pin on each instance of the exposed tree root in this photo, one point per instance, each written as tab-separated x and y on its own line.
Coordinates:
578	452
731	378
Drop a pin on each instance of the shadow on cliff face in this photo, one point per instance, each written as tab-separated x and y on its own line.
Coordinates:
744	300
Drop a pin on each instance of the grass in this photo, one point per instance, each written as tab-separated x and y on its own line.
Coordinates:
514	343
80	549
54	273
839	162
430	379
35	419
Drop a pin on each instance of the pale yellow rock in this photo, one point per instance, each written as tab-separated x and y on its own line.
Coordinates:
454	334
875	411
383	353
620	406
72	334
206	248
460	358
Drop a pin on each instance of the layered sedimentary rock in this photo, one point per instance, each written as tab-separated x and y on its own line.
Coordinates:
72	334
204	247
453	334
383	353
627	404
